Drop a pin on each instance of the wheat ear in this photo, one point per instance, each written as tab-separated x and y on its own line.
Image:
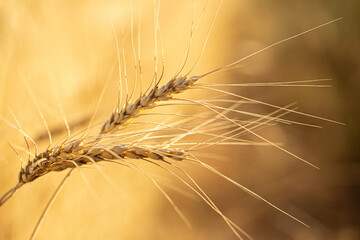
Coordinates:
79	153
147	101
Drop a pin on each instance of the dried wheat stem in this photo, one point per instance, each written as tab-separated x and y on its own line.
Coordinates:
9	193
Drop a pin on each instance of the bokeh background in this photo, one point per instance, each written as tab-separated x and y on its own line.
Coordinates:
67	48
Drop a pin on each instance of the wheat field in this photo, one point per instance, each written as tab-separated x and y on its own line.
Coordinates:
61	60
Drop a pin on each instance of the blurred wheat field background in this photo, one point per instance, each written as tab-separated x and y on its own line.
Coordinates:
69	47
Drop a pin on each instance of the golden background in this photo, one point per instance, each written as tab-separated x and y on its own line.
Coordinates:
69	47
